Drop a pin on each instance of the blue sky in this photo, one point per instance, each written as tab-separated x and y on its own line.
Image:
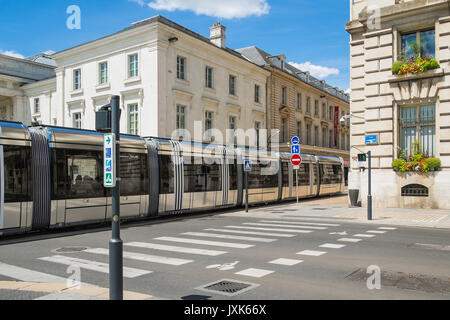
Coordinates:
310	33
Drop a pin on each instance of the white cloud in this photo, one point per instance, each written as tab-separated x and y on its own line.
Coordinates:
320	72
214	8
348	91
139	2
12	53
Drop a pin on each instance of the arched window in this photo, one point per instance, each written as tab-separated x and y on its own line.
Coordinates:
414	190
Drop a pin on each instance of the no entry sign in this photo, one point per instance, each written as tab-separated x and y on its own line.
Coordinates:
296	160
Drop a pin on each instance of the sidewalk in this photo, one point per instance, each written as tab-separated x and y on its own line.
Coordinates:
338	208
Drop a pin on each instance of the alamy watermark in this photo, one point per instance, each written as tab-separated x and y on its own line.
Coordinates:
374	281
74	280
74	20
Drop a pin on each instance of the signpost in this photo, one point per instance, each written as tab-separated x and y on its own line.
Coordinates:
247	169
296	160
109	156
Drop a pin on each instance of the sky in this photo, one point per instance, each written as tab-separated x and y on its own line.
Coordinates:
310	33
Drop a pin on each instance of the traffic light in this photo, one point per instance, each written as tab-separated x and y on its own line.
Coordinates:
362	157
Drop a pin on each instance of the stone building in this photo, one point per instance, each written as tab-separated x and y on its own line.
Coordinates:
399	110
301	105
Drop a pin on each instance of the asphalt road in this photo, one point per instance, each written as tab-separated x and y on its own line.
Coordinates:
174	258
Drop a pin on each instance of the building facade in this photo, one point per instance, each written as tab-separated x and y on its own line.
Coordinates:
301	105
167	76
402	111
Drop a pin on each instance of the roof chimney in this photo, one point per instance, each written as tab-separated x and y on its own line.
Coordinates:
217	35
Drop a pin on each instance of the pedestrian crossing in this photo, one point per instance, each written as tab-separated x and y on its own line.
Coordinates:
210	242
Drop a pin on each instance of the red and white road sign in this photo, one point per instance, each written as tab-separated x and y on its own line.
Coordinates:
296	160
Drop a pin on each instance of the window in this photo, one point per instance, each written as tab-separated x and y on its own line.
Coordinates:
17	174
166	181
133	118
330	174
421	43
133	66
299	101
232	85
284	130
181	68
417	124
308	134
343	141
257	93
283	96
324	137
316	107
299	129
77	79
208	125
181	117
316	136
257	128
258	180
77	174
232	125
103	72
202	177
330	139
331	110
324	110
308	105
37	108
209	77
77	120
133	174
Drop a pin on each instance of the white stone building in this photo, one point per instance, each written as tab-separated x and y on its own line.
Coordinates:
400	109
166	75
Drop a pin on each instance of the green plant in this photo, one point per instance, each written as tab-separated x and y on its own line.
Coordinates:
433	163
414	65
396	67
401	153
399	165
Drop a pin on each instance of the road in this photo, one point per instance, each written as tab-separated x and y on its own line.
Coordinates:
273	253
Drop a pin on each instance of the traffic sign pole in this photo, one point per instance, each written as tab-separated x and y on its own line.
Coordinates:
296	179
116	244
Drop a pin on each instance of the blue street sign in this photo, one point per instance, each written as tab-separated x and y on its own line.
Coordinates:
372	139
295	149
109	174
295	140
247	165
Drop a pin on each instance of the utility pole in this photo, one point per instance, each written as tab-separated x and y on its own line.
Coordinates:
116	244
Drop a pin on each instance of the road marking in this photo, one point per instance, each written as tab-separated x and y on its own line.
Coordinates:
270	229
281	235
282	225
376	231
143	257
207	243
255	273
387	228
311	253
350	240
286	262
224	236
27	275
305	223
332	246
94	266
364	235
163	247
224	267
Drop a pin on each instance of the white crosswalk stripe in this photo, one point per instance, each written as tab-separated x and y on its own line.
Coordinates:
143	257
302	223
311	253
376	231
286	262
353	240
94	265
364	235
281	235
387	228
332	246
206	243
224	236
255	273
187	250
283	226
270	229
28	275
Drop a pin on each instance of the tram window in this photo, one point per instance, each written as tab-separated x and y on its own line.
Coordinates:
202	177
338	176
314	166
133	174
303	175
330	174
17	171
166	175
233	177
285	168
257	180
78	174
